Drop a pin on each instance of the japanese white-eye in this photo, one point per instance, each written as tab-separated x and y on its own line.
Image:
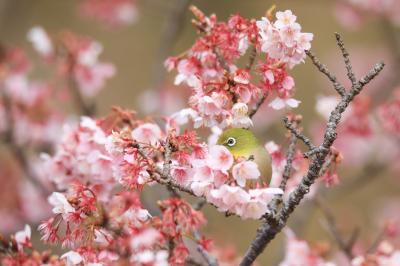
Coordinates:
243	143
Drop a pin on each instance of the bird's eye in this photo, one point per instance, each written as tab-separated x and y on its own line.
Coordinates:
231	142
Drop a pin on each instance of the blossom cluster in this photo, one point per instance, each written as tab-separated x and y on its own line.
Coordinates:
93	216
229	191
26	110
298	252
32	109
216	81
74	57
81	158
112	13
352	13
208	171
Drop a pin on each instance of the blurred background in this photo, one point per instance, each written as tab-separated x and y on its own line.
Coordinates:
367	189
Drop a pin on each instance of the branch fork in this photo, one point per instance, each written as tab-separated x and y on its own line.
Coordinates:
318	154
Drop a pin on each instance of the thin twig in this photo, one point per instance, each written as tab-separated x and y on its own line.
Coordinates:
210	260
167	167
221	59
286	172
345	246
192	262
167	181
346	57
290	126
167	158
323	69
376	242
199	204
258	104
327	164
252	57
85	107
289	160
268	231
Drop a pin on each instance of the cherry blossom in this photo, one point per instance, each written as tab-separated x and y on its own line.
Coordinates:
41	41
110	12
72	258
81	156
220	158
147	133
352	13
23	238
219	86
76	57
30	106
60	204
386	254
298	252
240	116
283	40
244	171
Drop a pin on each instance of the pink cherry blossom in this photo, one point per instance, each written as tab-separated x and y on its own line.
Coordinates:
60	204
253	209
187	72
279	103
41	41
353	13
227	198
284	19
283	40
92	79
23	238
112	13
72	258
147	133
240	116
244	171
299	253
220	158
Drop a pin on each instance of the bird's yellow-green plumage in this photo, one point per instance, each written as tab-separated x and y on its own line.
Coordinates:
243	143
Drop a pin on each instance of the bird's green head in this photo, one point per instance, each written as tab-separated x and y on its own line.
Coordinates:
239	141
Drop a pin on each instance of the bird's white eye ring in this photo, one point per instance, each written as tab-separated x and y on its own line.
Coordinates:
231	142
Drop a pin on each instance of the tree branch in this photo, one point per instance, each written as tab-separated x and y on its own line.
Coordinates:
324	70
346	57
85	108
258	104
267	231
290	126
210	260
345	246
289	160
286	172
252	57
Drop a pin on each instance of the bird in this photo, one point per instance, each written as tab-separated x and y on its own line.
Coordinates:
243	143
